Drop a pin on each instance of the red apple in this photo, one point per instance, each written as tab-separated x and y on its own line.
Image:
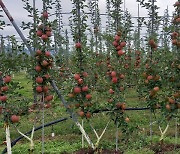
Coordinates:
77	76
113	73
114	80
48	33
88	96
38	52
45	63
38	68
39	89
44	37
111	91
115	44
45	14
85	88
39	79
123	44
85	74
39	33
88	115
78	45
47	54
45	89
121	52
48	98
3	98
5	88
117	38
15	118
80	81
7	79
77	90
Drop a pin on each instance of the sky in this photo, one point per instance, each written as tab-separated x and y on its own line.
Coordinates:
19	14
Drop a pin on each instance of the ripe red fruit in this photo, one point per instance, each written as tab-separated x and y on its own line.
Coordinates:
48	33
45	89
44	37
121	76
123	44
77	90
115	44
48	98
77	76
174	41
15	118
44	63
114	80
3	98
113	73
38	68
85	88
118	48
38	52
80	81
47	76
47	54
47	105
127	119
178	20
118	105
111	91
39	33
85	74
39	89
39	79
150	77
117	38
5	88
156	89
81	113
45	14
88	96
88	115
121	52
7	79
177	3
78	45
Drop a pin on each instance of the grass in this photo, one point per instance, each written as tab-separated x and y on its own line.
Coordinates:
68	137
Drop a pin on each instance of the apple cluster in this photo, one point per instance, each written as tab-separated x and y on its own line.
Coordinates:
138	59
44	63
3	96
82	91
118	44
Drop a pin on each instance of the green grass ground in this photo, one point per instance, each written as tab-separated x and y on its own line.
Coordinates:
68	137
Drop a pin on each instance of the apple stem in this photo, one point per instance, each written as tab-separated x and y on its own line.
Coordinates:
8	139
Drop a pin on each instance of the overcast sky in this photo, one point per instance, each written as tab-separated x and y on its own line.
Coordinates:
15	7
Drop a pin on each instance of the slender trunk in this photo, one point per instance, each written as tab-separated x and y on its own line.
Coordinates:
8	140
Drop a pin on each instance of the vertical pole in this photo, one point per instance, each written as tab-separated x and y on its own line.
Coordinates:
82	134
117	137
138	28
8	139
42	103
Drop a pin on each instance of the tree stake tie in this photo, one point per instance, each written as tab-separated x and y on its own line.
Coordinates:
163	132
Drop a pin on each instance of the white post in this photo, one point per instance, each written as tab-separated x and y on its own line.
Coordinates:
8	140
